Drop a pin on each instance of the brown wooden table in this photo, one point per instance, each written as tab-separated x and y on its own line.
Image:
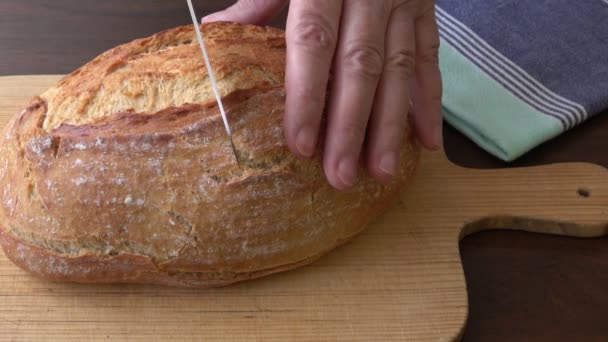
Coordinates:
522	286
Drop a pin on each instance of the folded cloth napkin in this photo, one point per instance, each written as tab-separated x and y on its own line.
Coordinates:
518	73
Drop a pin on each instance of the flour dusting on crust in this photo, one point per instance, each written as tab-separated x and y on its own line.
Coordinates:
123	172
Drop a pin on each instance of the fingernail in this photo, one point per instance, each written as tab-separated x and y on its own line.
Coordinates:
438	136
388	163
305	141
347	171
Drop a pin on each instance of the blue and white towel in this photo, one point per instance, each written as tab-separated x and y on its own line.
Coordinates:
517	73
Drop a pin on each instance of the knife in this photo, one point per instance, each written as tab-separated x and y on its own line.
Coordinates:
216	91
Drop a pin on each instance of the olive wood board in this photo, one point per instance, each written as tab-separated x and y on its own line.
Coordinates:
400	280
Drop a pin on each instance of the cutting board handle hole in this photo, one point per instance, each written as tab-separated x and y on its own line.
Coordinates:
584	192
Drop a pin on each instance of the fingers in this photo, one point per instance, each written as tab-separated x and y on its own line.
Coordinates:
383	59
358	67
427	89
257	12
312	33
391	106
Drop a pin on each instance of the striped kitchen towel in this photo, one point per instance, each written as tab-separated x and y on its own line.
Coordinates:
518	73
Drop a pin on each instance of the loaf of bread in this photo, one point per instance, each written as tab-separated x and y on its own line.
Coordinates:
123	172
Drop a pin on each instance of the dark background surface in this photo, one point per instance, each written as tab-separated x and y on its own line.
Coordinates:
522	286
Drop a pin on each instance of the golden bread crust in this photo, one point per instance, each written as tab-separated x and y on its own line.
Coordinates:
167	70
103	183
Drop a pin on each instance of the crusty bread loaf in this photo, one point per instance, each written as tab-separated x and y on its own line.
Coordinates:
123	172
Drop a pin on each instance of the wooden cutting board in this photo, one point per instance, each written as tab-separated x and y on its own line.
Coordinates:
400	280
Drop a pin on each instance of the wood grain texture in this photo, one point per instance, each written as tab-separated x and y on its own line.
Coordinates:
400	280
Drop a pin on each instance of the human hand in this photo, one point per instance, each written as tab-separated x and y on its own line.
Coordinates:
383	55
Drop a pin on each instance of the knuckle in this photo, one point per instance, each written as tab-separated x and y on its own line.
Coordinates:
363	59
429	56
313	32
401	62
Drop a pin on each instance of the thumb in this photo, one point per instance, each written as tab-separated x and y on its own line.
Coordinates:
257	12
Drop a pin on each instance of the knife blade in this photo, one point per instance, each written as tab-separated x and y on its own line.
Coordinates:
216	91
